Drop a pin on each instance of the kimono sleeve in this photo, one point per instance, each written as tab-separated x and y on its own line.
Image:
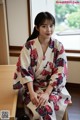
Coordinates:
59	75
24	71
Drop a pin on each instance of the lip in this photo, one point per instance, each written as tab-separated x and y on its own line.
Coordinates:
48	34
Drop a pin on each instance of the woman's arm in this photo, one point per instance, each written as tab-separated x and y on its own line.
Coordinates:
59	75
30	87
33	95
49	89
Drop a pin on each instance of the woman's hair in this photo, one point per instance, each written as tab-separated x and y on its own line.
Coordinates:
39	20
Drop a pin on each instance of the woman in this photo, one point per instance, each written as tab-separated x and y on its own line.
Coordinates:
42	71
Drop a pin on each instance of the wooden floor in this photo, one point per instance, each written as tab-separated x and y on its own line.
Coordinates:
74	109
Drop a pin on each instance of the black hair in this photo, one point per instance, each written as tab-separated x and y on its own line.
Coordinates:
39	20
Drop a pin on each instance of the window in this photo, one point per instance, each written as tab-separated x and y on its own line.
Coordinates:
67	15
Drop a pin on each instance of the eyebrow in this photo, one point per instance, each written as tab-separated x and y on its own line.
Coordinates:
46	24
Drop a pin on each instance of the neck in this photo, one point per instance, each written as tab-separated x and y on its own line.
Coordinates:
43	41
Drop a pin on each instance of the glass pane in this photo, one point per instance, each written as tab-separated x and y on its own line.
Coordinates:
67	16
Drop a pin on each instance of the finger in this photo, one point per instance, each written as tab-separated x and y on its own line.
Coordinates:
41	102
36	102
41	97
33	102
38	96
46	102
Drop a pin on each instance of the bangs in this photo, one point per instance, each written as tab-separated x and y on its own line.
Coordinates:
44	20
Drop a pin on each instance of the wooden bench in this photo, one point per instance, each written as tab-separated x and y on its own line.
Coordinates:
8	97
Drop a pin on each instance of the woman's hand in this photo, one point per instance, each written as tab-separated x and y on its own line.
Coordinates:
34	98
33	95
43	98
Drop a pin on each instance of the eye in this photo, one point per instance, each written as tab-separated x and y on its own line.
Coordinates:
43	26
51	25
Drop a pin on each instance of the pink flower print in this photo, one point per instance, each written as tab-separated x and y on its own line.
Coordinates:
42	111
45	72
32	42
65	70
18	85
15	75
51	65
47	117
60	97
53	98
18	63
60	62
42	84
54	84
54	70
60	76
56	52
51	44
56	107
62	50
29	43
34	54
35	88
66	101
18	68
48	109
59	79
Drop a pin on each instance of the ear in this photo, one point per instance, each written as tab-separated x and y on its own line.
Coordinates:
36	28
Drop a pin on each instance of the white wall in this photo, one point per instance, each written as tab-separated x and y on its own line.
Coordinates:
17	21
74	72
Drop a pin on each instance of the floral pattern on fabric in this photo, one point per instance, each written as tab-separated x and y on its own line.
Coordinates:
31	67
45	111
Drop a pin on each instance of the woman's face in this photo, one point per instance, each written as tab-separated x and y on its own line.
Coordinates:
46	29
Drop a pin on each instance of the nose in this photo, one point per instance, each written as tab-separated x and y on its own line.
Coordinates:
48	28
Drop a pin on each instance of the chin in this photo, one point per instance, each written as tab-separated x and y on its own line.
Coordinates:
48	37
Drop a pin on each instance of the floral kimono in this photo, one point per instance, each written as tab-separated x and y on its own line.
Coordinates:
44	69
